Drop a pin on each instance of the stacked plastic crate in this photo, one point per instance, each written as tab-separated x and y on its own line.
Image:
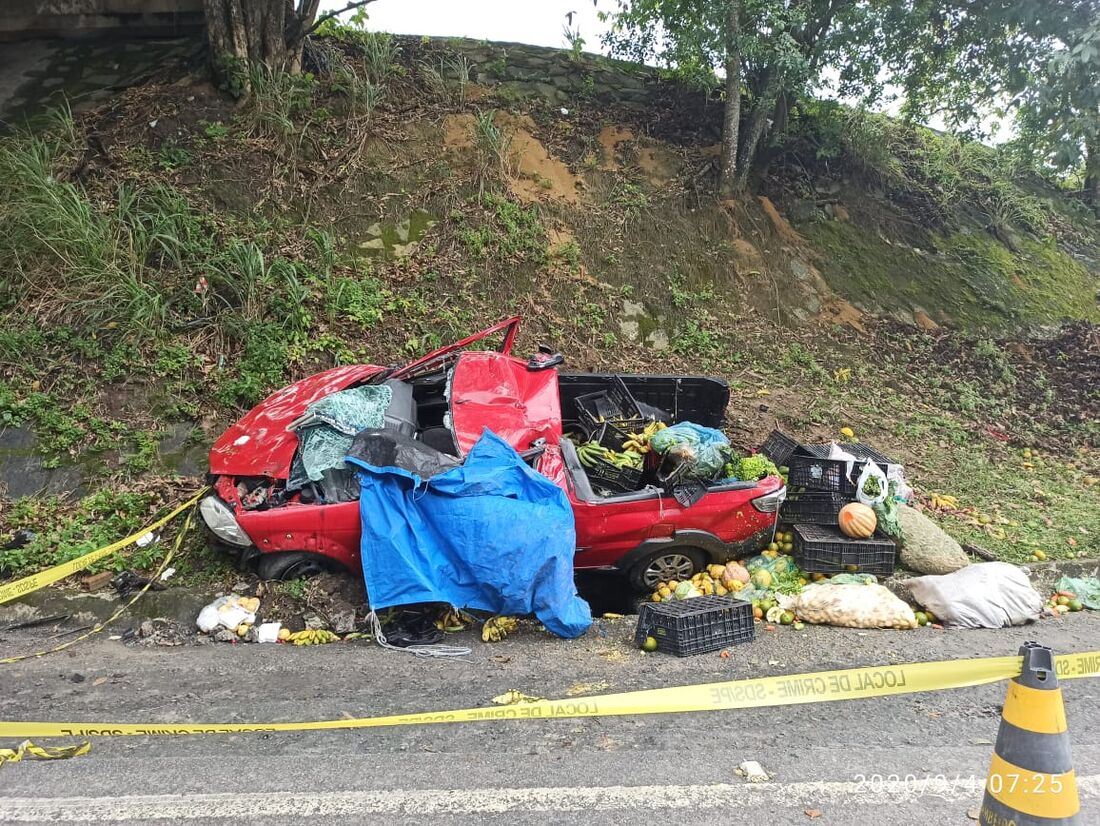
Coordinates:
818	486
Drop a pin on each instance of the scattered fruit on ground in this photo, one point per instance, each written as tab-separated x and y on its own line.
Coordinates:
312	636
452	620
650	644
762	579
497	628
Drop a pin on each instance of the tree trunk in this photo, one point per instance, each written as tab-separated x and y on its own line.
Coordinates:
762	108
731	121
246	34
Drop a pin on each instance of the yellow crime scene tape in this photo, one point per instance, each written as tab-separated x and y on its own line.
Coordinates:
29	584
99	626
823	686
793	689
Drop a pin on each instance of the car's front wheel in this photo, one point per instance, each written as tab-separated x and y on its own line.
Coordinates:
661	566
294	565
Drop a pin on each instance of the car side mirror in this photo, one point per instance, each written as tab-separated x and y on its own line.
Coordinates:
544	359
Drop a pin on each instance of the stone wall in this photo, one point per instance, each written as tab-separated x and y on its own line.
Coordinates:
74	18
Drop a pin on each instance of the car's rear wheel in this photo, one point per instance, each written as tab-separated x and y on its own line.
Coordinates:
294	565
661	566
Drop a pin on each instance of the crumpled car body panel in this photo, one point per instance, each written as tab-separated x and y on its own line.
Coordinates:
498	392
259	444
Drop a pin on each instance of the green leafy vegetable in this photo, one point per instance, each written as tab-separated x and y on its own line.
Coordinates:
751	468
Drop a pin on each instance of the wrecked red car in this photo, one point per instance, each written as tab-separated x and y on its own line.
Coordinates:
445	400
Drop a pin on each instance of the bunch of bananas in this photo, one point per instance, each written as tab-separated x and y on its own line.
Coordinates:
592	452
312	636
452	619
942	502
639	442
498	628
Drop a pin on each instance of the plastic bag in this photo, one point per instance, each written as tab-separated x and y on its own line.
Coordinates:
770	574
851	579
871	471
701	452
1086	589
268	632
896	474
986	595
850	606
228	612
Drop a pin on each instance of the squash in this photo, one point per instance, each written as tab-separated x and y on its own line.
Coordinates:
857	520
762	579
734	576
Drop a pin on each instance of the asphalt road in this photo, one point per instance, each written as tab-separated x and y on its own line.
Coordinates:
917	759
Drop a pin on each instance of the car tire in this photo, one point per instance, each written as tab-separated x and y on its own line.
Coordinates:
294	565
674	563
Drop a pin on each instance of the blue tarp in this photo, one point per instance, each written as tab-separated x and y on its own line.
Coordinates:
491	535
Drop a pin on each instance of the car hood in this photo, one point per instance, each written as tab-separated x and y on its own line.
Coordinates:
259	443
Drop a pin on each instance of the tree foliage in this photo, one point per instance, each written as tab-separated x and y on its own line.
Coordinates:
771	51
1035	62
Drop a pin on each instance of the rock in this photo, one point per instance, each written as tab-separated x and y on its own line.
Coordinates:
95	582
927	549
314	622
924	321
343	621
225	635
146	629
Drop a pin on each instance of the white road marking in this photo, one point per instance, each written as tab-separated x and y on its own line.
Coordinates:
353	804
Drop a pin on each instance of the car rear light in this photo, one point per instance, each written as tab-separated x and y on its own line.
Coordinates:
223	524
770	502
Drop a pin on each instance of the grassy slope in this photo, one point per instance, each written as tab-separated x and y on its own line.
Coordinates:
182	272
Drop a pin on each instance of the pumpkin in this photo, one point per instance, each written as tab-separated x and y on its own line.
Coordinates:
857	520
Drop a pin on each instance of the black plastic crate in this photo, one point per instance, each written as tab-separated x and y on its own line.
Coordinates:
697	625
611	479
613	435
779	447
812	507
822	474
824	550
811	467
615	404
698	399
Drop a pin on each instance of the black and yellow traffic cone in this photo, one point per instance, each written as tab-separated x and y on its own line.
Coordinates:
1031	780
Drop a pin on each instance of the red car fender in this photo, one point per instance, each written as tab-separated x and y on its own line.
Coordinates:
332	530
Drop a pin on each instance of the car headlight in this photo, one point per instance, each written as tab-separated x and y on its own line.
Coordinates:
770	502
219	518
